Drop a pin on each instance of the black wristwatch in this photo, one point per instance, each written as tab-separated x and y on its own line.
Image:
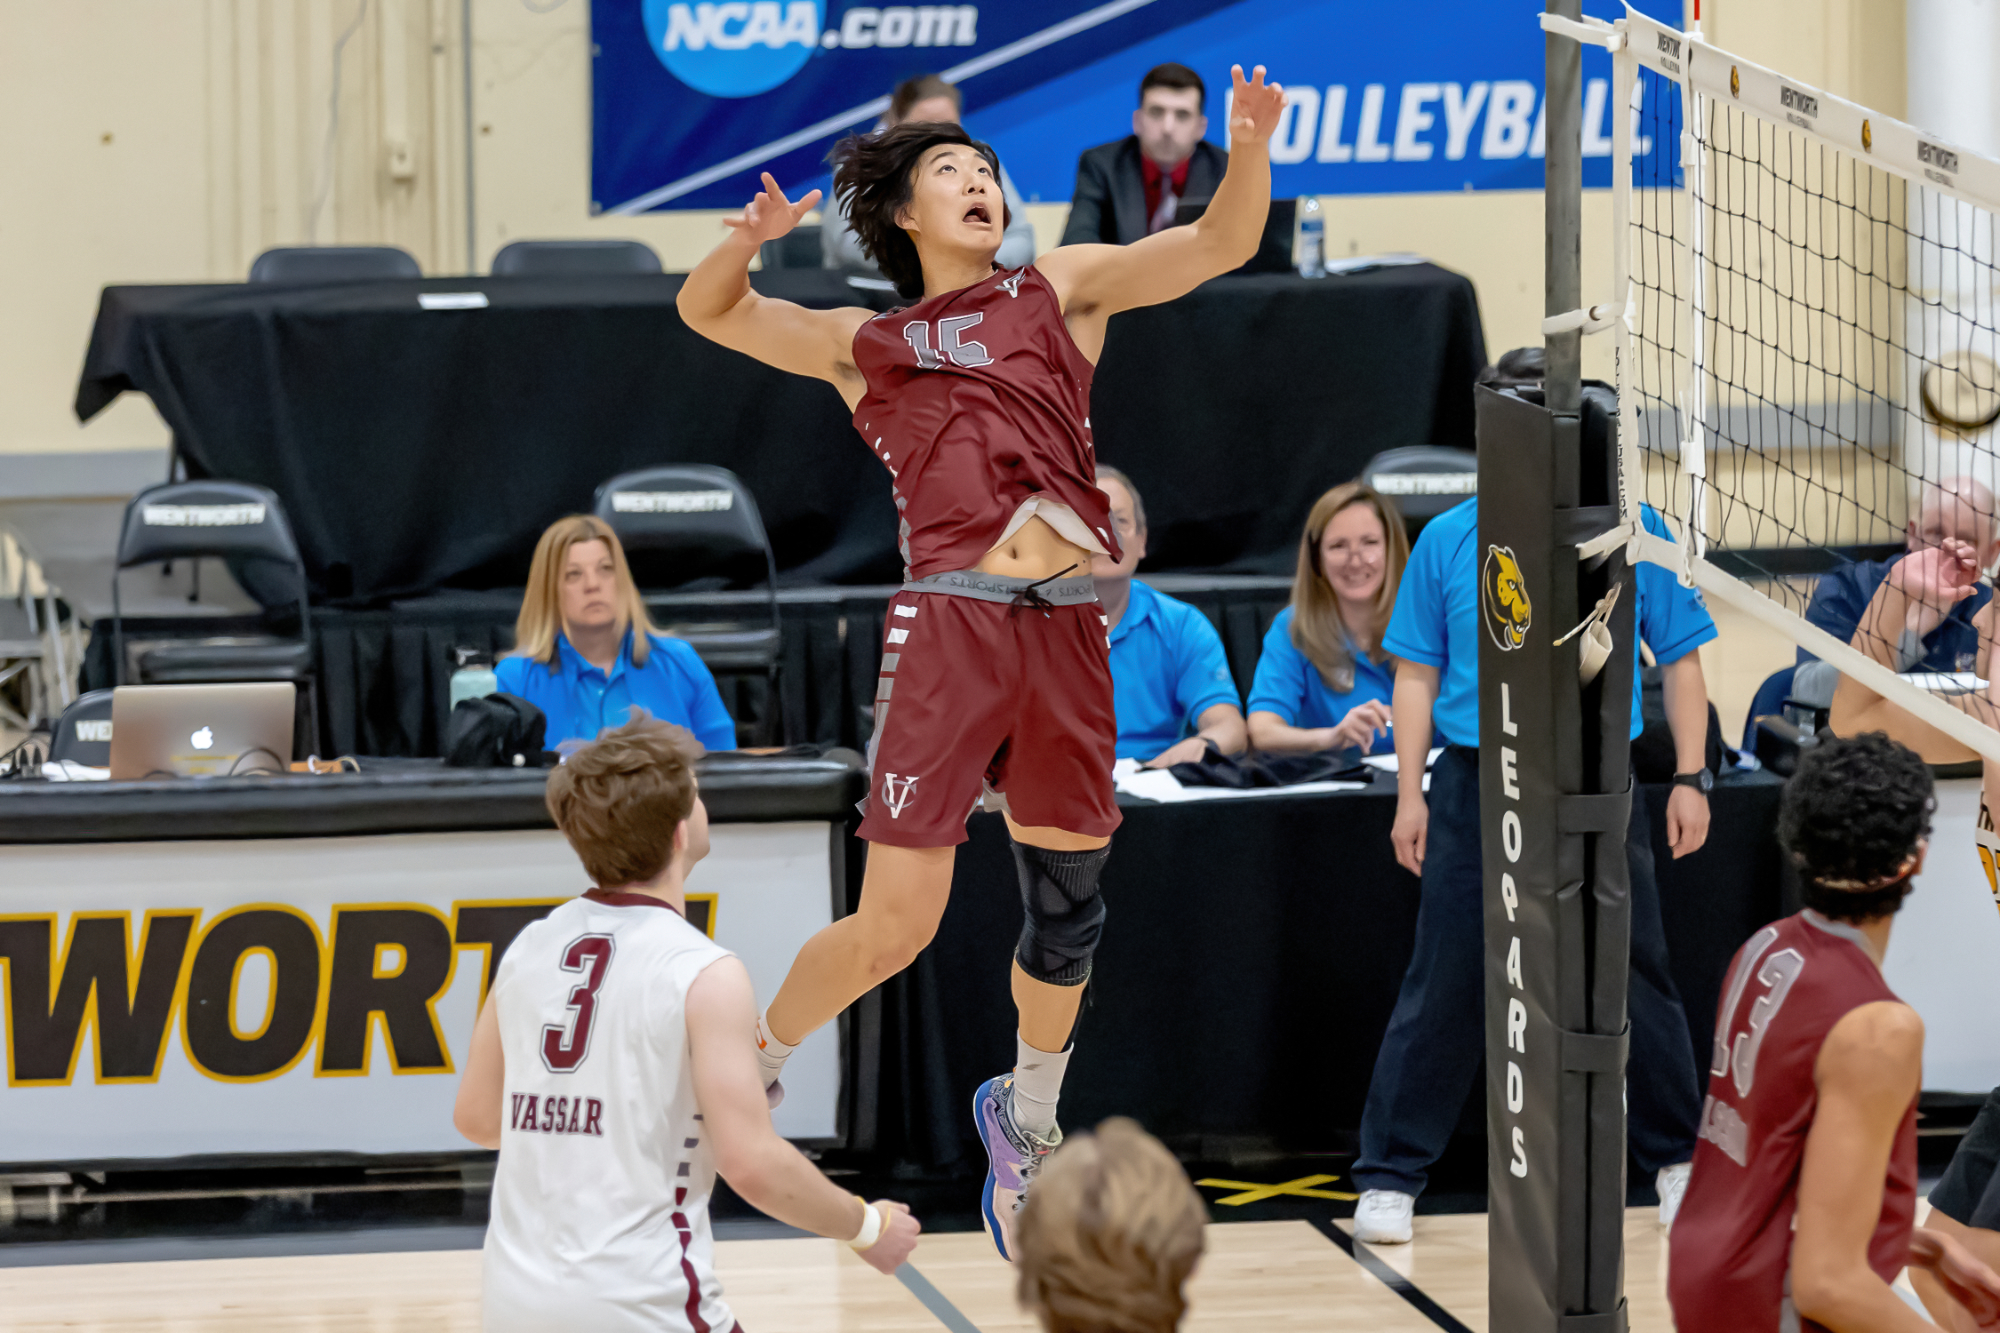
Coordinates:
1701	780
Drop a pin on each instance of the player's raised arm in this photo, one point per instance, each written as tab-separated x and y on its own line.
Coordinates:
718	302
1097	281
772	1176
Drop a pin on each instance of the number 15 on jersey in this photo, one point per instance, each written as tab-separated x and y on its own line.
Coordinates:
953	347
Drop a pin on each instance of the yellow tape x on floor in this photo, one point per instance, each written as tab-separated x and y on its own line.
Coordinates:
1302	1188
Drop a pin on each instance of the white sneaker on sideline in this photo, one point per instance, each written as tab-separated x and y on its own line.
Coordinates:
1672	1186
1382	1217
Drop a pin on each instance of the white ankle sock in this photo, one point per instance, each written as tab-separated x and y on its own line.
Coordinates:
771	1053
1038	1077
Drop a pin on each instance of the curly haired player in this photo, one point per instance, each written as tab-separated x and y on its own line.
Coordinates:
1800	1210
995	674
1921	593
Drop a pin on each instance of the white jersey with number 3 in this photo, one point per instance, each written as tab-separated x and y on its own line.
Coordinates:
600	1205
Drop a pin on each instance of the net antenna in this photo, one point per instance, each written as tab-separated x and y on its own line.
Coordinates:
1803	320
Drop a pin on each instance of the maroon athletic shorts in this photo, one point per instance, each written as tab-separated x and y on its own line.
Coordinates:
991	682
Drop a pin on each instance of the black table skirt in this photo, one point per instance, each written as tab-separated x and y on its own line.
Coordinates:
385	675
416	450
1252	955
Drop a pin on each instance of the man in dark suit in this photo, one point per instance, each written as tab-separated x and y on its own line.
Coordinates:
1130	189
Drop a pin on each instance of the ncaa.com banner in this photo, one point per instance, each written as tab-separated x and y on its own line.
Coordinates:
693	98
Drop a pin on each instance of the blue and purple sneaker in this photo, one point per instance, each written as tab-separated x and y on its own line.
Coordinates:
1013	1155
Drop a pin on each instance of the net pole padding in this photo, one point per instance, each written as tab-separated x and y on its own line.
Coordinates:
1867	136
1844	657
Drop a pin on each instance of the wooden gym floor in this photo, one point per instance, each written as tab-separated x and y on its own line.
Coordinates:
1272	1275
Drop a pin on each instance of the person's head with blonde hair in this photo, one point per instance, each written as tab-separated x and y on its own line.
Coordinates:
1110	1235
1351	559
579	581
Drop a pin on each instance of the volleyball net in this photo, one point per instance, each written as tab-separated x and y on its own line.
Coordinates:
1803	309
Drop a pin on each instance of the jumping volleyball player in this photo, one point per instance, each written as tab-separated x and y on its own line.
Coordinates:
995	667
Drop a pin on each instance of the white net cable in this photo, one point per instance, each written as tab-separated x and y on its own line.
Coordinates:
1807	365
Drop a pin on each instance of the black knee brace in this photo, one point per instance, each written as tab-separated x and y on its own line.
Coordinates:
1064	915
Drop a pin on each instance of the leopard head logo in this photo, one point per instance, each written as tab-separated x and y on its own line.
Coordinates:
1503	594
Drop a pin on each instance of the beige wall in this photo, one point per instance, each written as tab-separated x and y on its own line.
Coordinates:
172	140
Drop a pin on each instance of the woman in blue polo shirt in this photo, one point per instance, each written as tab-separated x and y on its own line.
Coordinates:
1323	681
586	654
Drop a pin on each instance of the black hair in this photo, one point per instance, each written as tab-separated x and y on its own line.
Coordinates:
1524	367
1852	819
1174	75
874	176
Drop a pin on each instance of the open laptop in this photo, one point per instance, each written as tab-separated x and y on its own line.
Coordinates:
201	731
1274	249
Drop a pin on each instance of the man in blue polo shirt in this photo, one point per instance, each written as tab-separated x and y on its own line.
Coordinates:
1170	681
1431	1051
1936	639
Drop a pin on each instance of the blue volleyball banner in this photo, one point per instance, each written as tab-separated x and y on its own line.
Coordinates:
693	98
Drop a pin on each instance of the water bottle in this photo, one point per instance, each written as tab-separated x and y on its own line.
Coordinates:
1311	237
474	678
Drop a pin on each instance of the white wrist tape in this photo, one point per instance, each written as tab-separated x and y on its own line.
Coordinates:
871	1226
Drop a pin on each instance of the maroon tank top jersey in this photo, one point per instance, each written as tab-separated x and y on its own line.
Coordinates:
978	400
1732	1241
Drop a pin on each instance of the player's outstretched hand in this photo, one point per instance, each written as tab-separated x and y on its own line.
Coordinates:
1254	106
771	215
898	1238
1971	1283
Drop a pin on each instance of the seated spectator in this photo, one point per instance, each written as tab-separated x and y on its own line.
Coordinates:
1110	1235
1170	680
1959	509
1919	591
925	97
1129	189
586	654
1324	682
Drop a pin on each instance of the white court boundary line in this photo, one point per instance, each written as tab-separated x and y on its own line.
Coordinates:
993	59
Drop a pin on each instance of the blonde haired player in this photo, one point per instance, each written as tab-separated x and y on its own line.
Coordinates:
612	1067
1112	1235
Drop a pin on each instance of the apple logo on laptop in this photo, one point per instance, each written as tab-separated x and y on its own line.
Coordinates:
202	739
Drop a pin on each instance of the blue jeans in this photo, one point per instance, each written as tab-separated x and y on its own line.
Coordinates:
1437	1034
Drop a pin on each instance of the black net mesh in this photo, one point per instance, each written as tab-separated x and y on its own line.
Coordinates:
1813	376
